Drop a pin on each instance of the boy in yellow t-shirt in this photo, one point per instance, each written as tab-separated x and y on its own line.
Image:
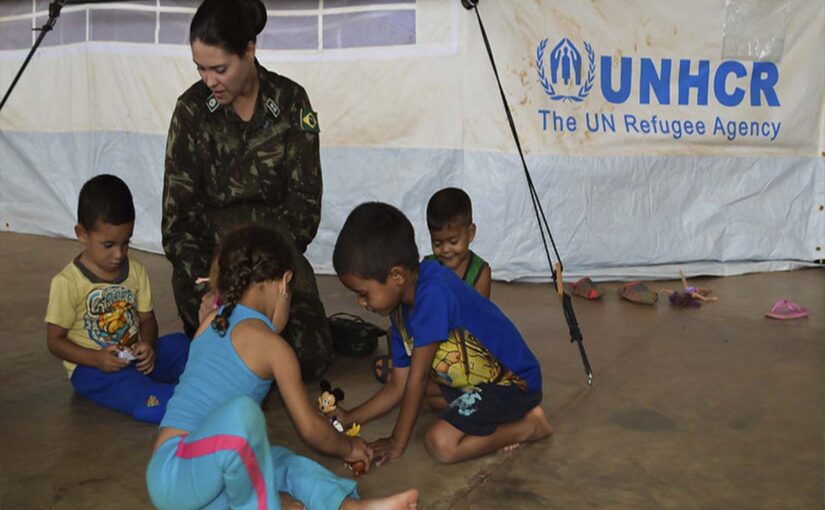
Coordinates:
100	318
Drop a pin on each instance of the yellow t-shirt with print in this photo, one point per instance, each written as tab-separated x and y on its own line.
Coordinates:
99	313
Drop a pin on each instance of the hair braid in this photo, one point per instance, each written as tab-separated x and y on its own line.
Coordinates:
248	255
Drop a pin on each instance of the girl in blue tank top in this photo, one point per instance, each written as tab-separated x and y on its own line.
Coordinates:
212	449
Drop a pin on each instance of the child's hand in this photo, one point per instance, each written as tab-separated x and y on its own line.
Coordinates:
145	356
386	450
340	414
360	452
107	361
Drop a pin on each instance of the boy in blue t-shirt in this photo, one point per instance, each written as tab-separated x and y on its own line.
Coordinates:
453	349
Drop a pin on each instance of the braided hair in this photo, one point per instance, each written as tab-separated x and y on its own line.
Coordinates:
248	255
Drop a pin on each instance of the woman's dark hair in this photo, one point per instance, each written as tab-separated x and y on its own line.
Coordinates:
248	255
375	238
228	24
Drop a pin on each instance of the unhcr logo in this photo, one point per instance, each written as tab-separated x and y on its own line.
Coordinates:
566	81
566	74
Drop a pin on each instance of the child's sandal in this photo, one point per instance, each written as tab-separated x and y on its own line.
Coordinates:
381	366
637	292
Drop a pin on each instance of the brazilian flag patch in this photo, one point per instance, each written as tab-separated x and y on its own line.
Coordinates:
309	121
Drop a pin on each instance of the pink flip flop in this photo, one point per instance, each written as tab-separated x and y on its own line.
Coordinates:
784	309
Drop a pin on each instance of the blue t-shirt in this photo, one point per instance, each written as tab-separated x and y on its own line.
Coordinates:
214	374
477	342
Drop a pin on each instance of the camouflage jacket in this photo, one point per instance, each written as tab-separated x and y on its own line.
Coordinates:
222	172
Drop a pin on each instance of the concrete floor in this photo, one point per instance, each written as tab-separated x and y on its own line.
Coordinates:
711	408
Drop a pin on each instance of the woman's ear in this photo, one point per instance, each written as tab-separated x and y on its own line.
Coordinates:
249	55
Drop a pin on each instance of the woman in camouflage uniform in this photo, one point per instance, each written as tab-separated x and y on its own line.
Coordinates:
242	148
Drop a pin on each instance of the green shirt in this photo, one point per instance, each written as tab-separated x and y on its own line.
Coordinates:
474	267
222	172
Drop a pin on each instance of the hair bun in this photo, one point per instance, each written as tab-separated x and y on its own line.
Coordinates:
257	14
229	24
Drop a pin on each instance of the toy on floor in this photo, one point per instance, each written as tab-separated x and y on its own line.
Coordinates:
327	403
682	299
690	296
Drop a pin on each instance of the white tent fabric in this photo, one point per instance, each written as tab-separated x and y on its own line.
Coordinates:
658	135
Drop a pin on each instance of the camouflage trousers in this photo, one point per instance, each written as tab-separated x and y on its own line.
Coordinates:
307	331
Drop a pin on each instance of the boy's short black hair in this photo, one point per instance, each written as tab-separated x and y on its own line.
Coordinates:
449	206
106	198
375	238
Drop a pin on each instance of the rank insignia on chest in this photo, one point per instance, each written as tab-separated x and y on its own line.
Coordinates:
273	108
212	104
309	121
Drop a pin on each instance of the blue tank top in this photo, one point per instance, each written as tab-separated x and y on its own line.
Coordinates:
214	374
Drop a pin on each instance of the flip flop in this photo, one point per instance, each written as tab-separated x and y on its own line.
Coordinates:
584	287
784	309
637	292
381	366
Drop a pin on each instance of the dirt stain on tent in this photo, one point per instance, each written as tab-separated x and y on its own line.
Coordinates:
573	30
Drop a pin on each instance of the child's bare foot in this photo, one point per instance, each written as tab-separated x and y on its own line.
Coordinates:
407	500
509	448
290	503
541	427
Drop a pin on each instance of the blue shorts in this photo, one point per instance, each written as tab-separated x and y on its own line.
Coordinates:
480	411
144	397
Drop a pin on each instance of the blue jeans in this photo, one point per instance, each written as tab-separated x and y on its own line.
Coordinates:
144	397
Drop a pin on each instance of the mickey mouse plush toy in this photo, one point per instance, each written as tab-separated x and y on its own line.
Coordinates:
328	402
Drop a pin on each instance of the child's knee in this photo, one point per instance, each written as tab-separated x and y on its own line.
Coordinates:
440	446
245	409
